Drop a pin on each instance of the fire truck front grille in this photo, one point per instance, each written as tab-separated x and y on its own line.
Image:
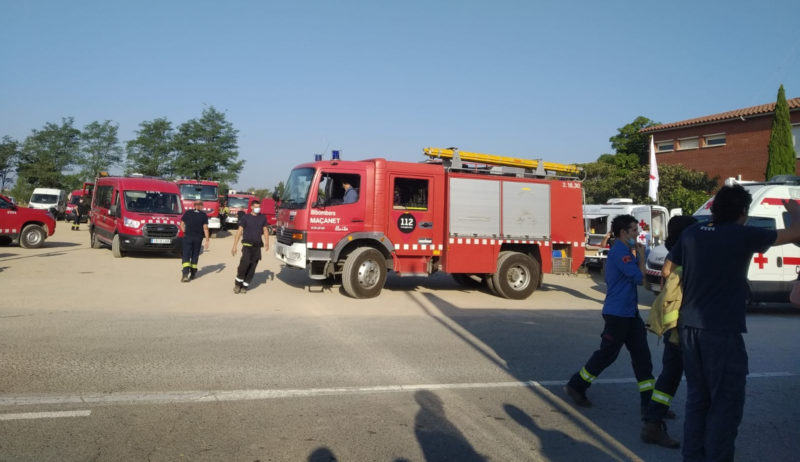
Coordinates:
159	230
284	236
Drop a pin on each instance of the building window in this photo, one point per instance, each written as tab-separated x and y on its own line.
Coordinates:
718	139
663	146
796	140
688	143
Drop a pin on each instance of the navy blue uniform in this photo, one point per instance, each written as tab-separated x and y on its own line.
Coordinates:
193	220
623	325
715	260
252	240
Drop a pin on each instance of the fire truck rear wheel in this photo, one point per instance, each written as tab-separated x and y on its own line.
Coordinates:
364	273
32	237
517	275
116	247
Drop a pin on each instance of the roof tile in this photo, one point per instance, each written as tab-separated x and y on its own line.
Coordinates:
759	110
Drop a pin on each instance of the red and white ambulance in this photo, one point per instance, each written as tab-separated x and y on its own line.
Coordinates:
498	219
771	274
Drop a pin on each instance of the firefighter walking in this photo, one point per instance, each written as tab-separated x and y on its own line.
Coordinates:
80	210
252	227
194	224
623	324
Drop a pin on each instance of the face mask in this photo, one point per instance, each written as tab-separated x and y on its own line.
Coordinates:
631	241
256	209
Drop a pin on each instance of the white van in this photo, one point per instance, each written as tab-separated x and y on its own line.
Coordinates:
597	220
771	274
54	200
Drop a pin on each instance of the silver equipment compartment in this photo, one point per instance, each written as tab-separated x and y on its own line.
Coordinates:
474	207
526	210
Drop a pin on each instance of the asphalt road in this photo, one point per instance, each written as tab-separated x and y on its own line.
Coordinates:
115	359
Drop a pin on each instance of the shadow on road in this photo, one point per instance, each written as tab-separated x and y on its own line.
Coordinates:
218	268
554	444
438	438
261	278
322	455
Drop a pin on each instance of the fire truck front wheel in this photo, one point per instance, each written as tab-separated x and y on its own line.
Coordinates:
517	275
32	237
364	273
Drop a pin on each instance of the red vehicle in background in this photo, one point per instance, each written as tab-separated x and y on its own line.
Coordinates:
268	209
237	204
29	227
73	201
208	192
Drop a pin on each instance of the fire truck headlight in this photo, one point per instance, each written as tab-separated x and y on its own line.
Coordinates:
294	256
131	223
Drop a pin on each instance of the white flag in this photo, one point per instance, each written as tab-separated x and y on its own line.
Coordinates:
653	192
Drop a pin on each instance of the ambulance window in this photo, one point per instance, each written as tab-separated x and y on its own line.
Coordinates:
410	194
761	222
787	222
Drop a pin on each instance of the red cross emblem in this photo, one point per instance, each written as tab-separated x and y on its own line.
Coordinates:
642	223
761	260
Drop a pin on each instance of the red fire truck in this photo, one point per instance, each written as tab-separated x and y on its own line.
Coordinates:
208	192
502	220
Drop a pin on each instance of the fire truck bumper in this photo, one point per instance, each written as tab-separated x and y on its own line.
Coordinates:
213	223
292	255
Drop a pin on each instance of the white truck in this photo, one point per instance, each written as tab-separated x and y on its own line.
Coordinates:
51	199
597	220
771	274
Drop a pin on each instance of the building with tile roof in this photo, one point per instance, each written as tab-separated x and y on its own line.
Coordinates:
728	144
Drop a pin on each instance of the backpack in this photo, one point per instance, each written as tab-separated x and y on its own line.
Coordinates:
666	306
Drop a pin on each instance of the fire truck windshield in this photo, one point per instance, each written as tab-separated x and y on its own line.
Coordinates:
203	192
295	194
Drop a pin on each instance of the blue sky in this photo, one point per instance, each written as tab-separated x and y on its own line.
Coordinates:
535	79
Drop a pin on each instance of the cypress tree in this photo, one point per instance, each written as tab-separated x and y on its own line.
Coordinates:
781	159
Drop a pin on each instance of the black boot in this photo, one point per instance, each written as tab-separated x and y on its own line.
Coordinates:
656	433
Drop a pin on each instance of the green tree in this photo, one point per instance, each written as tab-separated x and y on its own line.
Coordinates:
781	159
279	188
679	186
630	140
9	151
100	149
46	155
206	148
151	152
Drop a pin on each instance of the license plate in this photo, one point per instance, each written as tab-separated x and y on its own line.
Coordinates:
161	241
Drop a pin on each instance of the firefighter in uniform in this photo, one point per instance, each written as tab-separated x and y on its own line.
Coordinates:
80	210
623	325
716	257
251	229
194	224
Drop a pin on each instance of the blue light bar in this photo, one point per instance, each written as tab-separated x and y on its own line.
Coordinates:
335	154
317	157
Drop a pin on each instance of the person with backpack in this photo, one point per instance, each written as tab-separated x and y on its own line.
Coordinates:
664	322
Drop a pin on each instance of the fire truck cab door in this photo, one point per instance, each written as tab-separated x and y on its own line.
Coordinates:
411	225
335	212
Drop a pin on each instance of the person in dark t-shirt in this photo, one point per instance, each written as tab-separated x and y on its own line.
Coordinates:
252	228
715	257
194	224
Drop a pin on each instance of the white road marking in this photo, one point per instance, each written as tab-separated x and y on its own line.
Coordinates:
249	395
44	415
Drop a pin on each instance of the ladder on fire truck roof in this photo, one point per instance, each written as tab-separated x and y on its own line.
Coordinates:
453	158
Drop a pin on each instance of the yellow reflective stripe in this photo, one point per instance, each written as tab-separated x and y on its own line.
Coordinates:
187	264
661	397
670	317
647	385
585	375
246	244
194	266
